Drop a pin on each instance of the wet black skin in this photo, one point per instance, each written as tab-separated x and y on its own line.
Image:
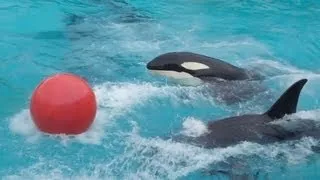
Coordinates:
254	127
217	68
228	83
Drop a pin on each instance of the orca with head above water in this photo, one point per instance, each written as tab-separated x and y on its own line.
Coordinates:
230	84
256	128
196	67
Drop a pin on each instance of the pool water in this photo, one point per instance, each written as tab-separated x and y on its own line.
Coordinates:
109	42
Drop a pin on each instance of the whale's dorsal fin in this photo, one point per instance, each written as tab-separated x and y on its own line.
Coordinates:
287	103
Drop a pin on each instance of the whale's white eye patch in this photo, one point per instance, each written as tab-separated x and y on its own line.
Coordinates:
194	66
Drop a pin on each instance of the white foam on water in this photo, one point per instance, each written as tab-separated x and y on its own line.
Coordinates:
158	159
155	158
284	75
310	90
122	96
49	170
97	131
118	99
299	121
22	124
310	114
193	127
290	78
278	71
114	100
273	67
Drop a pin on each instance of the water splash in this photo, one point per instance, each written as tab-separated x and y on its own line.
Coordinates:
193	127
114	100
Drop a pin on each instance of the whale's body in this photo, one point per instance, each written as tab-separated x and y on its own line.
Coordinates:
228	83
258	128
188	65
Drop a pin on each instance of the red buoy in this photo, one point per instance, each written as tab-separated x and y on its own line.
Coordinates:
63	104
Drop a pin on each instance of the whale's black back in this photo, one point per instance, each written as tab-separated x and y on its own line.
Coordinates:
255	127
230	131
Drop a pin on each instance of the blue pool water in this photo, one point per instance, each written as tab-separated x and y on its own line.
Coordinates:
109	42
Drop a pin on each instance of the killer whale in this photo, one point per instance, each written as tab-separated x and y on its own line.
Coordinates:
258	128
229	83
197	67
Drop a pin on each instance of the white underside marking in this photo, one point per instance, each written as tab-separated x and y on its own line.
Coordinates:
194	66
181	77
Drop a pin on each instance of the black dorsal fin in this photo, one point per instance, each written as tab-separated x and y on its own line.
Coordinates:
287	103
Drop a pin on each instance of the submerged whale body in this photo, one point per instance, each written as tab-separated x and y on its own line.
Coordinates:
258	128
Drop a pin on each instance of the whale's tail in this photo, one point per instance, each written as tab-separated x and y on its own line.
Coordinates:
287	103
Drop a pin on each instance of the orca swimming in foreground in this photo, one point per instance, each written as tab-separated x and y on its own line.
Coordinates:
192	68
256	128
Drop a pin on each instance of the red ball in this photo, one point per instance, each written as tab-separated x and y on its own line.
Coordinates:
63	104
